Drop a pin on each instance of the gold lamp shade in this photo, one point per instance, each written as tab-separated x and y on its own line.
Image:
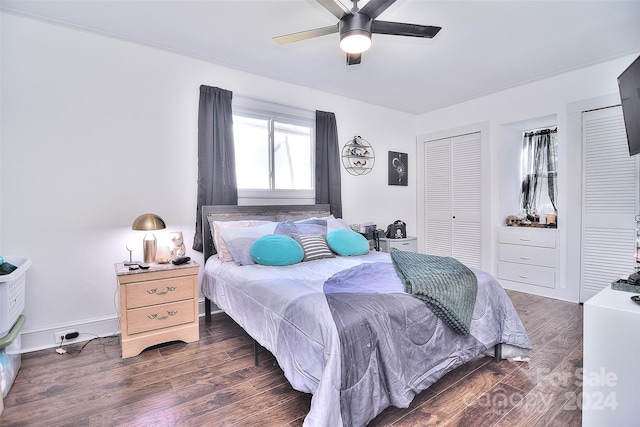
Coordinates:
148	222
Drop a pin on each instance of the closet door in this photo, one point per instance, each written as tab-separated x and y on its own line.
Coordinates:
452	198
610	201
437	186
465	199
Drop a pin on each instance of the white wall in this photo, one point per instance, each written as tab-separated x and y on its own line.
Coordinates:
554	99
95	131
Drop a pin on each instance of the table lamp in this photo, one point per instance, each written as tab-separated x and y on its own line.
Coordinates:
148	222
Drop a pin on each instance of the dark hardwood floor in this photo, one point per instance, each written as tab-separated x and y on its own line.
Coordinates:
214	382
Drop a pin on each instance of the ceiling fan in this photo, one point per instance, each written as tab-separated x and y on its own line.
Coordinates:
357	25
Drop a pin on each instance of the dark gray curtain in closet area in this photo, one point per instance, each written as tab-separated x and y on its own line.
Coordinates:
539	167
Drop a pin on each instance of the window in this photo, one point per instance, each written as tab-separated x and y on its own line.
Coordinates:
274	152
539	173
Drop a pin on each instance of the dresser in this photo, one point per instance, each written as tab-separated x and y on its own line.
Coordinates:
157	305
611	357
409	244
528	257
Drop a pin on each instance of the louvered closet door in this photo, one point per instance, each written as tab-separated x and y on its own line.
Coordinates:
465	199
438	197
610	201
453	202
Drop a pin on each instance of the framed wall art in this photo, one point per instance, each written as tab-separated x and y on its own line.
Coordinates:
398	168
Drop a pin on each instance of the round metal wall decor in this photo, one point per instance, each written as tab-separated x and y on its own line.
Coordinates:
358	157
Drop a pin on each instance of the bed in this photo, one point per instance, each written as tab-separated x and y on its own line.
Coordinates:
345	328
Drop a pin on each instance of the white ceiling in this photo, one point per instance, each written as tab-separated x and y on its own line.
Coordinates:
483	47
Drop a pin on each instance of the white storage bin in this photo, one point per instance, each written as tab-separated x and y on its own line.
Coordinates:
10	357
12	290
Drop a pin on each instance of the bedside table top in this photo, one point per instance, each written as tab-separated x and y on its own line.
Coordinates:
123	270
402	239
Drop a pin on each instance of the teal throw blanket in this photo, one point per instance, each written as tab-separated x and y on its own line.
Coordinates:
447	286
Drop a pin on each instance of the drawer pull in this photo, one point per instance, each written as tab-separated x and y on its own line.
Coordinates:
522	239
522	276
169	314
526	258
155	290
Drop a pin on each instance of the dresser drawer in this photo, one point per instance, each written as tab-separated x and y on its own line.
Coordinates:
533	255
530	274
543	238
160	291
409	244
159	316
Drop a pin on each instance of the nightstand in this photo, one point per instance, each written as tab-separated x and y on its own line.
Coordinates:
409	244
157	305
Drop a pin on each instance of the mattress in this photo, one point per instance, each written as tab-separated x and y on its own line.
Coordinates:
388	346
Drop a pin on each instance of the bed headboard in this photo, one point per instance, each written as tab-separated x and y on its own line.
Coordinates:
227	211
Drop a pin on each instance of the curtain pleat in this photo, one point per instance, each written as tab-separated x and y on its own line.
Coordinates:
328	179
216	156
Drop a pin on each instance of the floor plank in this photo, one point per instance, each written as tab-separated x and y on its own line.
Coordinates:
214	382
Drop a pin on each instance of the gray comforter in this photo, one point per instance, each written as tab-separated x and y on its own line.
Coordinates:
357	345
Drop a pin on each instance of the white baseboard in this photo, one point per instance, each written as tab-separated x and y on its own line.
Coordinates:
44	338
34	340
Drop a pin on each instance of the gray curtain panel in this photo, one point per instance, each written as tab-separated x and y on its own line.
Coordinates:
328	181
216	156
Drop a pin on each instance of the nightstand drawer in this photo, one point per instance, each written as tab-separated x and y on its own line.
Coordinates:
159	291
409	244
159	316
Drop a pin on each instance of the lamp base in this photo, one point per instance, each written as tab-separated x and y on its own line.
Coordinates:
149	245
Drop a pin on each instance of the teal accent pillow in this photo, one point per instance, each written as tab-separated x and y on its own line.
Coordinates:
346	242
276	250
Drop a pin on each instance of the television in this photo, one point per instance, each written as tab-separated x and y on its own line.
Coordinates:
629	87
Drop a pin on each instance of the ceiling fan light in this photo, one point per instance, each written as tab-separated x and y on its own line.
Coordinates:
356	41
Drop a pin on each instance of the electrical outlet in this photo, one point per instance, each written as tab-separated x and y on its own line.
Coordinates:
58	336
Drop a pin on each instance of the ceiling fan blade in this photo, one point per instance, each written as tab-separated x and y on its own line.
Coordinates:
402	29
303	35
376	7
354	58
336	8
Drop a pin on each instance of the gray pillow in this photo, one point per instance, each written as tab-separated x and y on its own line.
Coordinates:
314	246
301	217
310	226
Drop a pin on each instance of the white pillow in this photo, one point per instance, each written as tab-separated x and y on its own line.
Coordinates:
238	240
221	247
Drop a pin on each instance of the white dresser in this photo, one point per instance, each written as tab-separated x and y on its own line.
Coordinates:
528	258
611	360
